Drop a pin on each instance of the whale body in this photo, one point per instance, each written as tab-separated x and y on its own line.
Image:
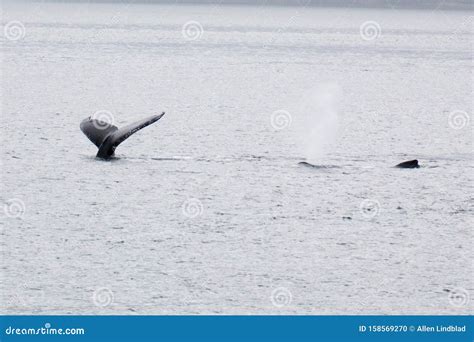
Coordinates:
306	164
107	137
410	164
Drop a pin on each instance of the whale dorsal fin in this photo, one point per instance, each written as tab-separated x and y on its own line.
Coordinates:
97	131
410	164
123	133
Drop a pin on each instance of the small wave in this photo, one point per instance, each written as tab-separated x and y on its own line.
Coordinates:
172	158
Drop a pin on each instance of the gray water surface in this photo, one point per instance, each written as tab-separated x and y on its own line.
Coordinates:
208	210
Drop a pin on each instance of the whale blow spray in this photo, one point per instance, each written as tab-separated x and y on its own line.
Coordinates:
318	111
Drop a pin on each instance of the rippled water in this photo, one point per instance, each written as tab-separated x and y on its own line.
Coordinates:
209	210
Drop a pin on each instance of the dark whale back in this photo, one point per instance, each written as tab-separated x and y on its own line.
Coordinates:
107	137
410	164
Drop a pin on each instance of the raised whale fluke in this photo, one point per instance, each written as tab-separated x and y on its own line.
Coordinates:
107	137
410	164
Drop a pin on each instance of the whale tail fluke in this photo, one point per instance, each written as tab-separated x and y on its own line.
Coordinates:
123	133
96	130
107	137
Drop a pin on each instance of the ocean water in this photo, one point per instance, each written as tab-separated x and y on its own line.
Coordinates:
208	210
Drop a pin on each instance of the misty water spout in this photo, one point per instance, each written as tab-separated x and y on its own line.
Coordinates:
319	121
